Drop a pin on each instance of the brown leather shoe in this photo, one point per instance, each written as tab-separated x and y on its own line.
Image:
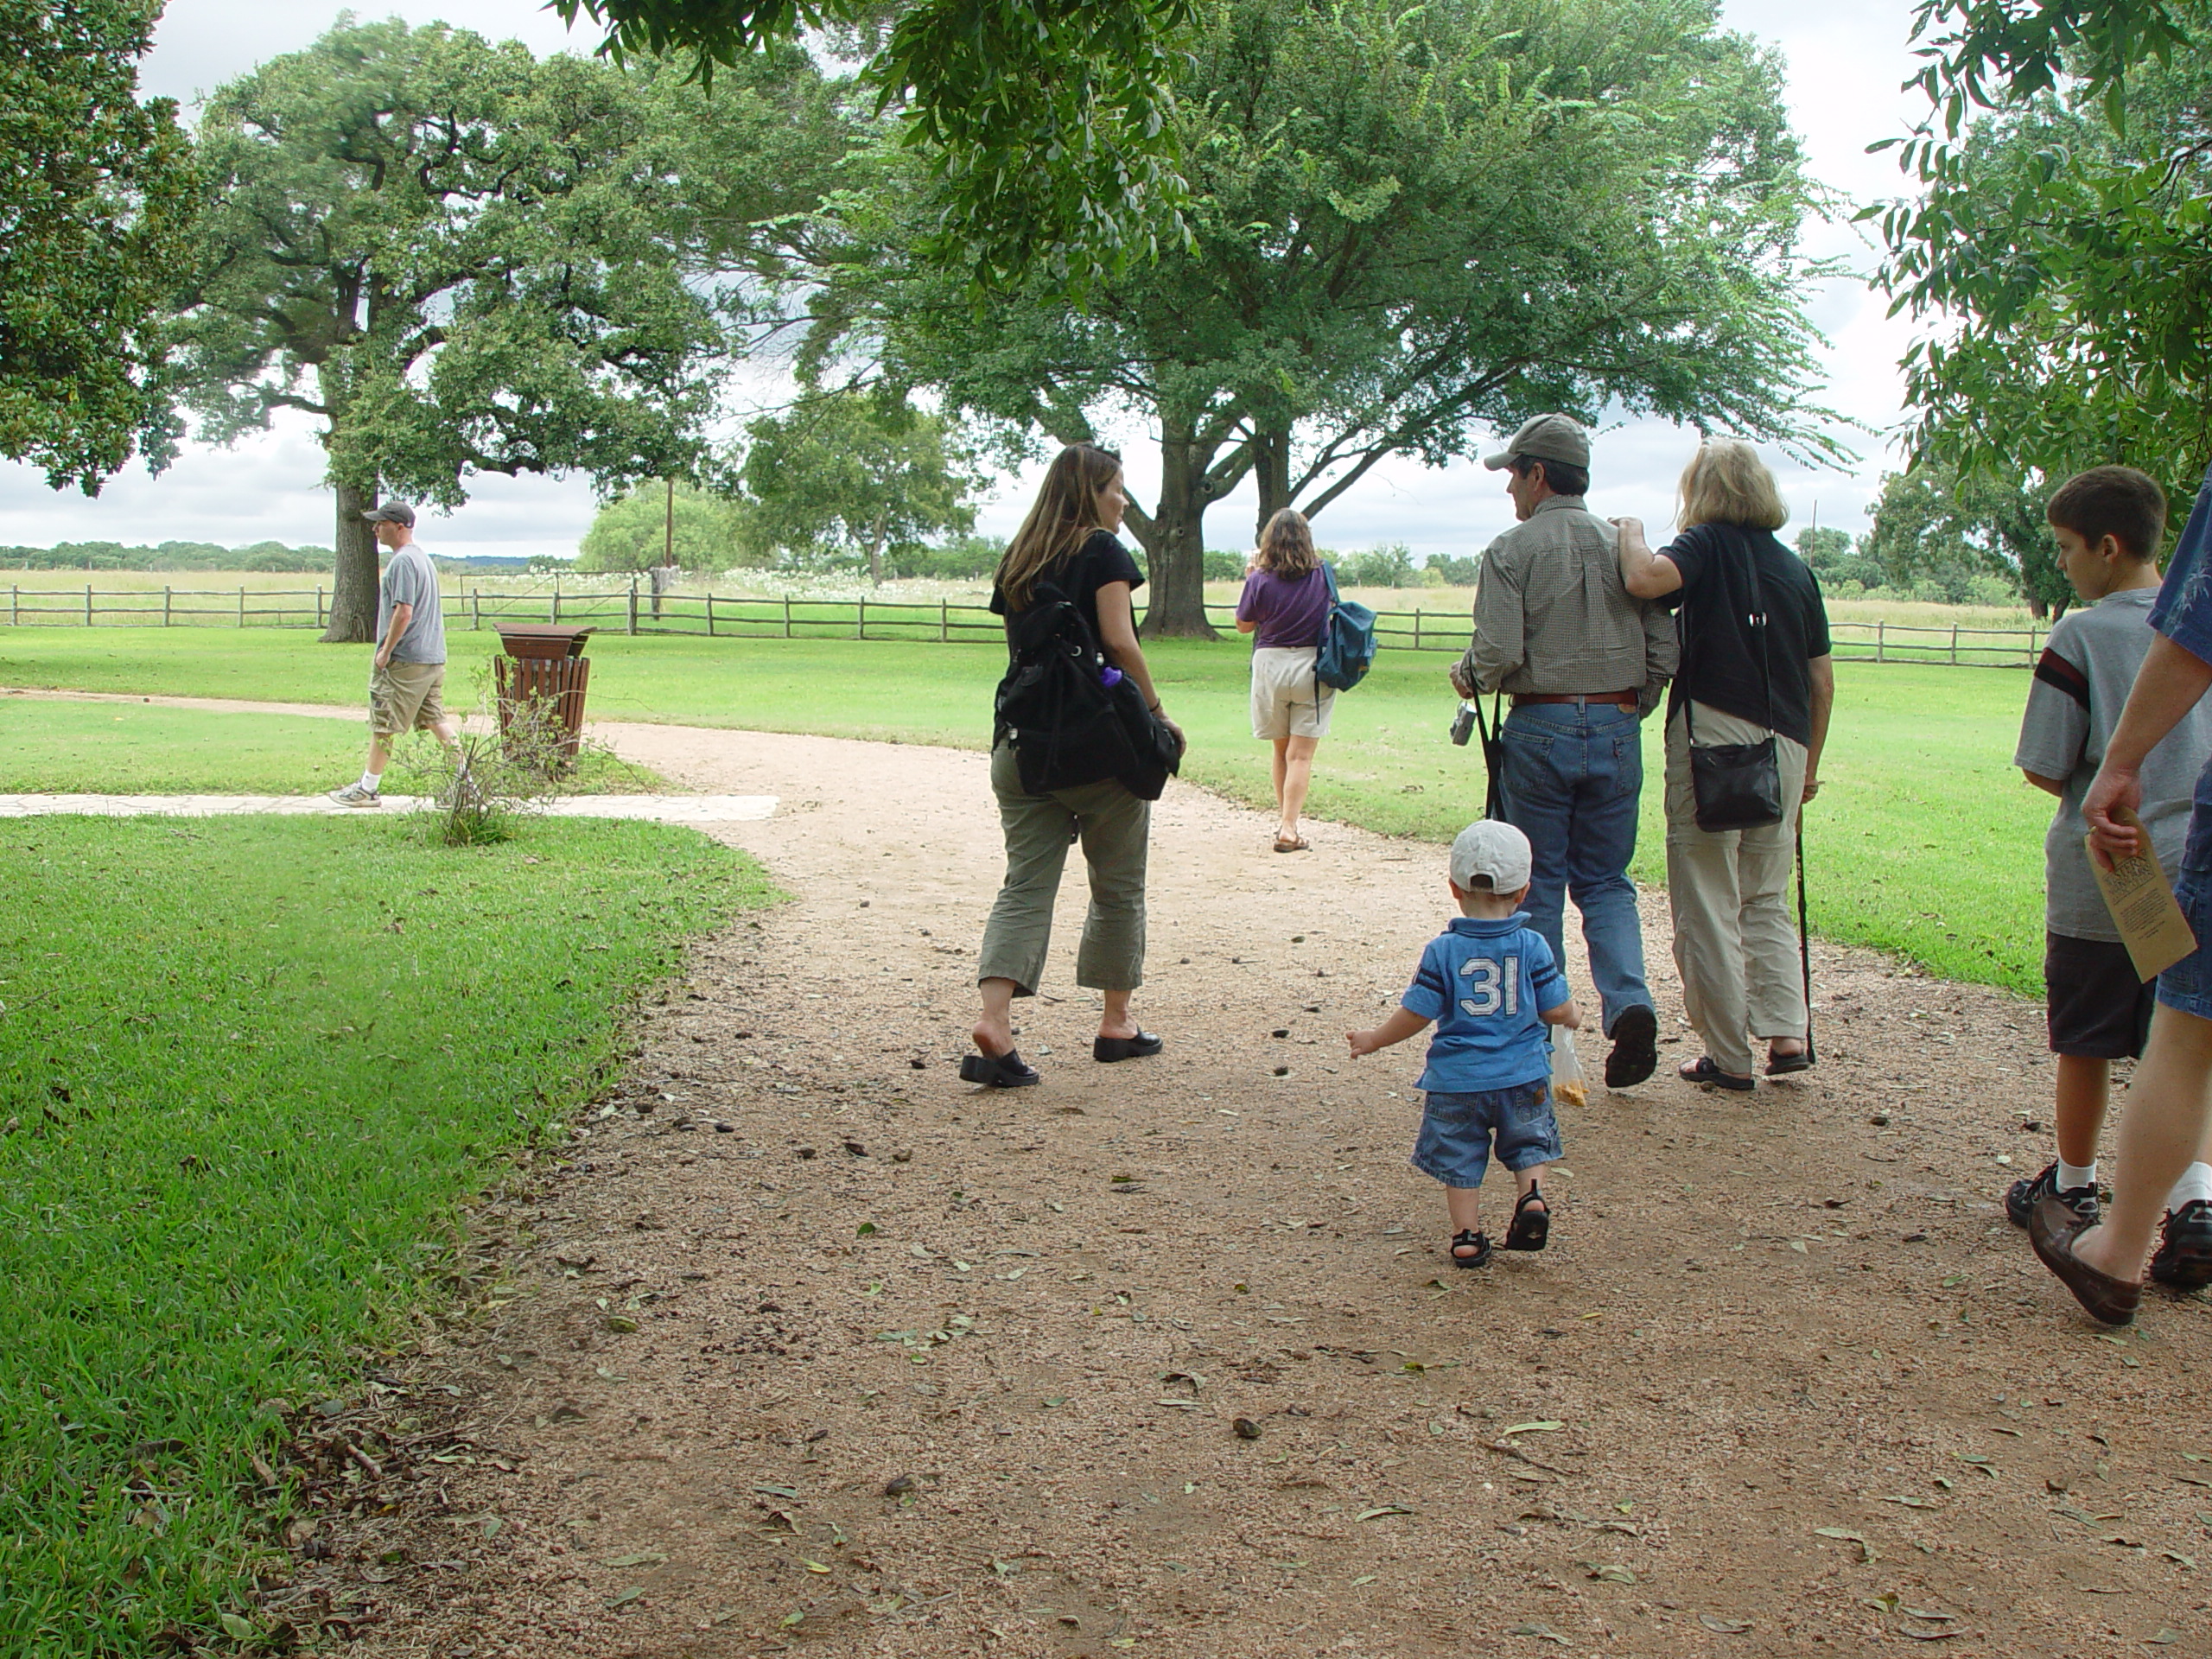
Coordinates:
2052	1229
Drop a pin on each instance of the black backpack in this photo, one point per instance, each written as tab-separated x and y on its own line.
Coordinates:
1068	727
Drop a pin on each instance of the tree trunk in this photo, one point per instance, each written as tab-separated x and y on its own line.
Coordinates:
875	552
1271	467
354	591
1175	541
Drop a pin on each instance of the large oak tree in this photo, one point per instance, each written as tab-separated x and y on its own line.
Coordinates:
1408	225
461	260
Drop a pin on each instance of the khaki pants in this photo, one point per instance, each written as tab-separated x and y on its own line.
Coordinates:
1734	943
1114	826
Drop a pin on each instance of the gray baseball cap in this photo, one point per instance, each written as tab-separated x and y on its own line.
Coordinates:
1545	437
1490	857
392	513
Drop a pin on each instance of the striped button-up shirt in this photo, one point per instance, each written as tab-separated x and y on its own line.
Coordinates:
1551	615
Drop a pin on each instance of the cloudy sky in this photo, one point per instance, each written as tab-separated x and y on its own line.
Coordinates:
1844	64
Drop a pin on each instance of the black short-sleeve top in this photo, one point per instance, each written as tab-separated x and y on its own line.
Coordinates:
1721	662
1100	560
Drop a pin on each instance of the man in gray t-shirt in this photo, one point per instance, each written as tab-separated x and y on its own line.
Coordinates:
408	675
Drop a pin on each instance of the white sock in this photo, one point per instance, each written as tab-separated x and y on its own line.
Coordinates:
2071	1176
2195	1183
372	780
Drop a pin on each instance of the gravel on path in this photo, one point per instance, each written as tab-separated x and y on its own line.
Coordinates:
803	1345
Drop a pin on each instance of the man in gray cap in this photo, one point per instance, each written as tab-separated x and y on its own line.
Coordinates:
408	676
1584	662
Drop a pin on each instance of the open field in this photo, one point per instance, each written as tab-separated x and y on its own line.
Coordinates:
69	748
237	1129
1925	842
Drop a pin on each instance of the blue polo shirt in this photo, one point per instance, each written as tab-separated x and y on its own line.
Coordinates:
1485	983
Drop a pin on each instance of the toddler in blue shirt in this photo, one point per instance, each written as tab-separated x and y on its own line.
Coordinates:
1490	986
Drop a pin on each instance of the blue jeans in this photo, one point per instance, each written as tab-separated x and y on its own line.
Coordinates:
1456	1129
1571	776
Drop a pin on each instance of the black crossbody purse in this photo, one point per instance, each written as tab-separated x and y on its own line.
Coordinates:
1738	785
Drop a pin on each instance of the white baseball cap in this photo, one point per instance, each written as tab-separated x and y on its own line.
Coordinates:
1490	857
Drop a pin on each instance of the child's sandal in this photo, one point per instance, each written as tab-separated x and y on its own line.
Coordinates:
1531	1228
1478	1243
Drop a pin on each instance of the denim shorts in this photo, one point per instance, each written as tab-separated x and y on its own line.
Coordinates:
1456	1131
2187	984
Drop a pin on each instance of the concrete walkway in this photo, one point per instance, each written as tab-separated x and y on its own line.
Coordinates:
659	808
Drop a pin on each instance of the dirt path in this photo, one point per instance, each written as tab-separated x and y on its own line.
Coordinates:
813	1347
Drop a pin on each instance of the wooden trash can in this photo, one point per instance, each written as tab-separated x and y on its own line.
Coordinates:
541	683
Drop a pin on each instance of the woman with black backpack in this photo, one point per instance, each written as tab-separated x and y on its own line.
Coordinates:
1744	731
1080	750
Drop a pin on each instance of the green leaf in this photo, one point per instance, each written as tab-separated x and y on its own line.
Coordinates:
239	1630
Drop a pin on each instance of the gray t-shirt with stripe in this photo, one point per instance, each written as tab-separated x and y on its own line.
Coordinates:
2080	687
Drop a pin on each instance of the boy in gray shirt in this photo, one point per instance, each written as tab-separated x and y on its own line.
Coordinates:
2108	522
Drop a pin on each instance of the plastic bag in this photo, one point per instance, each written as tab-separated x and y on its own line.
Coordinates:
1568	1087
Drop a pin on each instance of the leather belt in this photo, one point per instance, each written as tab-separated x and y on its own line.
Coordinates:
1625	699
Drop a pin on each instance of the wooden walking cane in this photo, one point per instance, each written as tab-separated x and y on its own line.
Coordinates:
1804	939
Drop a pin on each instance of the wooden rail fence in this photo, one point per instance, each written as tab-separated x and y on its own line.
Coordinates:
635	609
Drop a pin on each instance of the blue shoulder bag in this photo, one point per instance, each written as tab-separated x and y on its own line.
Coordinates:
1347	649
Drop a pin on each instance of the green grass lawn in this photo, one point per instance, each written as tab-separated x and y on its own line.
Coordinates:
72	748
1925	842
248	1070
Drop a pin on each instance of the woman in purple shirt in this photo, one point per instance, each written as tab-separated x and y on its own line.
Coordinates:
1286	603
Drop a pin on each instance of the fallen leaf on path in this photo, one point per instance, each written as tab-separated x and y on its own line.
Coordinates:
1533	1428
1381	1510
636	1558
1609	1572
626	1596
1541	1632
1724	1626
1866	1549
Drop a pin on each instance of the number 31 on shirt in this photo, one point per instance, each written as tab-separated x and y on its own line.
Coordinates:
1491	987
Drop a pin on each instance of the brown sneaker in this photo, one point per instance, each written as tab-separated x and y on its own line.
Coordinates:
2052	1229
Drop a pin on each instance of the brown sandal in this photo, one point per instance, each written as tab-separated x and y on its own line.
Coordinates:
1291	843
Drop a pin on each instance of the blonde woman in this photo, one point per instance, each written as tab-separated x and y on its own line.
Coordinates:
1286	605
1755	665
1066	550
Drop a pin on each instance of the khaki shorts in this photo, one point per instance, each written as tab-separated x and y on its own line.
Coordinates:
1283	686
404	697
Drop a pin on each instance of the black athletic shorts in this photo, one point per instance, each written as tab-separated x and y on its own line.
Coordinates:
2097	1008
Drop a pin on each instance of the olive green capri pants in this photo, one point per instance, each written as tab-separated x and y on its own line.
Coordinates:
1114	826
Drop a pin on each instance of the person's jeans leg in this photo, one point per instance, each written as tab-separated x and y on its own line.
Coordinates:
1539	802
1019	930
1600	844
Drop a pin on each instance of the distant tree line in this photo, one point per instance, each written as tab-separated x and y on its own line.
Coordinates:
170	556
